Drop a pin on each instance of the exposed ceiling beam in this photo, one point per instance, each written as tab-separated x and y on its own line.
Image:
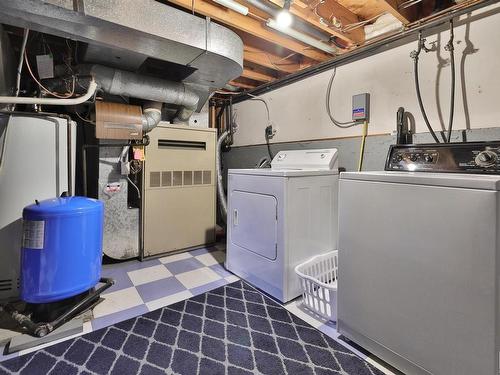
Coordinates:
269	60
256	76
404	15
372	8
241	85
328	9
250	25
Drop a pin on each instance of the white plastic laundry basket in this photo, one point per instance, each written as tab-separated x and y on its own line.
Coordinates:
318	279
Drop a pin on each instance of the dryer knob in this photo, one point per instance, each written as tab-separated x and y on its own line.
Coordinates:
486	158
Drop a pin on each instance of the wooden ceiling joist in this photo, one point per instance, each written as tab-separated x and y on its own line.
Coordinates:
269	54
257	76
404	15
250	25
241	85
372	8
269	60
326	10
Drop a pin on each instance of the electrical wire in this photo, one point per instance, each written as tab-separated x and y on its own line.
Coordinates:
263	162
84	119
135	186
21	59
415	55
340	124
409	3
449	47
253	97
68	95
356	25
347	124
271	156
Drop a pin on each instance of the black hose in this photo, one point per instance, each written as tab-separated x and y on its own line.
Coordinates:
271	156
415	55
451	48
266	134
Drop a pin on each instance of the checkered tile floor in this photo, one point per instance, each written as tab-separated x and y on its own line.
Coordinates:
142	287
146	286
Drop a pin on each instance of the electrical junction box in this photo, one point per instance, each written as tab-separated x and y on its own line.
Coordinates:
361	107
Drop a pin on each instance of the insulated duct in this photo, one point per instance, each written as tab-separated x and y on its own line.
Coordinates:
151	116
220	185
121	82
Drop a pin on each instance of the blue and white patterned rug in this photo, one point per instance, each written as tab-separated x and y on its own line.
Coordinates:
233	329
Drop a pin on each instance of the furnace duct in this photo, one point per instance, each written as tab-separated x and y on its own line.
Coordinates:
124	83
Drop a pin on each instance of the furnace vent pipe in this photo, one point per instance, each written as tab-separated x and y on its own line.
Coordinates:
121	82
220	186
151	116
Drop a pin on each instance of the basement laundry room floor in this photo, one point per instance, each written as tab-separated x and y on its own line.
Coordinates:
144	287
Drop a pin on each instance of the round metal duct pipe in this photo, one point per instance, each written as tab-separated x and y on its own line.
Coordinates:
121	82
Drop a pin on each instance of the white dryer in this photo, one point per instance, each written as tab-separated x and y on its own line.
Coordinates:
280	217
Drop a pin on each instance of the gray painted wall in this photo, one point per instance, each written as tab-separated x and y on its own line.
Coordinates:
298	111
375	152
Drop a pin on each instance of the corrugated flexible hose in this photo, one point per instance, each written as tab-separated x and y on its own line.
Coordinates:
220	187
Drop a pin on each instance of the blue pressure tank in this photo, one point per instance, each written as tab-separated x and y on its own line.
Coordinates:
61	249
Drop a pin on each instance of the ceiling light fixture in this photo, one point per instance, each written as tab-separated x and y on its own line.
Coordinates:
233	5
302	37
284	18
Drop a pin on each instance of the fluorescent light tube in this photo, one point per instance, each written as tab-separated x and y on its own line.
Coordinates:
301	37
233	5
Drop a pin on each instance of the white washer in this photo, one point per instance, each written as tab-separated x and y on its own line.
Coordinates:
280	217
419	260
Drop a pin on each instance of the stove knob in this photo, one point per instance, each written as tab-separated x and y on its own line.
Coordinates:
413	157
429	158
486	158
398	158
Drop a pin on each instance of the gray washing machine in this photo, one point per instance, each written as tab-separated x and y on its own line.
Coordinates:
419	259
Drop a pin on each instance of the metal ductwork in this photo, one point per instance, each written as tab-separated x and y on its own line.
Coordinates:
147	37
151	116
120	82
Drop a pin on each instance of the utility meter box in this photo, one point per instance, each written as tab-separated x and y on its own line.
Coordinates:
361	107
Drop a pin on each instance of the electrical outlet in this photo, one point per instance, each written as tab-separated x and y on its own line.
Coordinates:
270	132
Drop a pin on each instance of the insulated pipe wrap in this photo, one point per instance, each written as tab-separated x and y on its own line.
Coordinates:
151	116
120	82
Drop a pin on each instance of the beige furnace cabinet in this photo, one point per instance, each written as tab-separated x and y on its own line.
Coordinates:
179	189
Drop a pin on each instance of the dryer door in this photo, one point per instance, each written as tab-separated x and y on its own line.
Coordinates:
254	222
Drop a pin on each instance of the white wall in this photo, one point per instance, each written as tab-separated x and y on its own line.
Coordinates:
298	110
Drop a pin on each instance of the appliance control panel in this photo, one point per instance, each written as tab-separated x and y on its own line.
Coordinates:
467	157
322	159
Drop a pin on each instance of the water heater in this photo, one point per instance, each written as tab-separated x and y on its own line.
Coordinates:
33	165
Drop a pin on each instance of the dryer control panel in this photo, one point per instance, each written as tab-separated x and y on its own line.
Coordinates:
321	159
467	157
